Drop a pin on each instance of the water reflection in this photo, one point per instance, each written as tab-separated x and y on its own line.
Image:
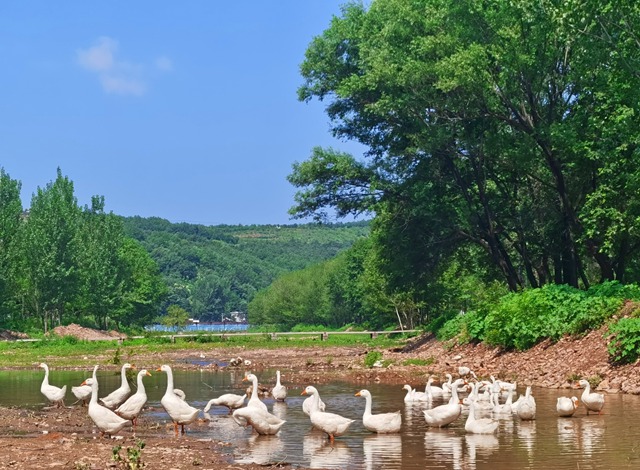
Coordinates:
444	446
385	448
568	432
526	431
261	450
279	409
591	435
225	428
484	444
609	440
321	453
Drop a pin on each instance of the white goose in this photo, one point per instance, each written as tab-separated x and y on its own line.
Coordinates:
279	391
566	406
446	386
432	390
106	420
414	396
502	409
83	392
445	414
120	394
526	409
382	422
131	408
52	393
230	400
307	404
331	423
254	400
479	426
180	411
262	421
592	401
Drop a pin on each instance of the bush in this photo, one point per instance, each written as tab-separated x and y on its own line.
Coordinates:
520	320
624	344
371	358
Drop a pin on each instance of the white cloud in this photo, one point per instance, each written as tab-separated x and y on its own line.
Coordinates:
99	57
122	86
117	76
164	64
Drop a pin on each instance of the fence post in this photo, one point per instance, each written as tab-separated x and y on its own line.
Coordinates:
374	334
325	336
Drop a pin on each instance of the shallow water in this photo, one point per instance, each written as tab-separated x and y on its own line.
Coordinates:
611	440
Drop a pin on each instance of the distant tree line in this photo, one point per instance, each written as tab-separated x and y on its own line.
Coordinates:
62	263
212	271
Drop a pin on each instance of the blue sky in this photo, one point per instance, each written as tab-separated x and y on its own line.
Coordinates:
182	110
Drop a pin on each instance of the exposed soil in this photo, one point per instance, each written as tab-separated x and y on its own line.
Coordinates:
66	438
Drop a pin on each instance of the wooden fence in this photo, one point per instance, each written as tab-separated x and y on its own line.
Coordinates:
323	335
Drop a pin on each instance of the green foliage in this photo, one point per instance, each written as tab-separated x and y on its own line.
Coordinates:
116	357
212	271
132	460
624	342
176	318
521	320
60	263
371	358
512	128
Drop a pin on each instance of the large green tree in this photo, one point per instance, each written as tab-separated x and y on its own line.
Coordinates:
48	266
512	126
10	219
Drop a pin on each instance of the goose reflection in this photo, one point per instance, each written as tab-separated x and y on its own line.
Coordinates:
382	451
321	453
484	444
280	409
412	414
526	431
591	434
224	428
261	450
444	447
567	432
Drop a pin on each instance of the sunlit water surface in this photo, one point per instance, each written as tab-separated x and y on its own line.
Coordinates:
608	441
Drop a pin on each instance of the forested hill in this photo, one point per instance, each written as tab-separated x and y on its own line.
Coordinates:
212	270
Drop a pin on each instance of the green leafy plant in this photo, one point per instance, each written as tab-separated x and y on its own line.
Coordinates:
132	460
624	342
371	358
116	357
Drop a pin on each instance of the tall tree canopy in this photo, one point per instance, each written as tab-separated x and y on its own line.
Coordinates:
512	126
61	263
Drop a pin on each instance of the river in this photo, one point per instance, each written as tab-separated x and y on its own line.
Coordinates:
607	441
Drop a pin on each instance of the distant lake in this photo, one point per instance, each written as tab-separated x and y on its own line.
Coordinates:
202	327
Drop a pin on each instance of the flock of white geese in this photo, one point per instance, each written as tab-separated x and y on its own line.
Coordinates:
120	408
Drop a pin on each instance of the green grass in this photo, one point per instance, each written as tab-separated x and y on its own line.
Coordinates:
64	352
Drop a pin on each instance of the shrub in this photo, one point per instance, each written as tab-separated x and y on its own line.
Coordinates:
371	358
624	344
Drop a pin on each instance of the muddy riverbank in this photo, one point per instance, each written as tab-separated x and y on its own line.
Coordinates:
66	438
